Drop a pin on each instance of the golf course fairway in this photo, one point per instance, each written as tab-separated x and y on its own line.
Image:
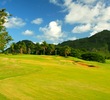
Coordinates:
40	77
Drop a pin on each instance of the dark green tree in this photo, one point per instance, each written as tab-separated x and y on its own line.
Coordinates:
37	48
63	50
44	46
93	57
13	48
4	36
50	49
67	50
76	53
30	47
22	47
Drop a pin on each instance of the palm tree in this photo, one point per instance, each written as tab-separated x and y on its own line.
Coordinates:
13	47
22	47
67	50
37	48
51	48
44	46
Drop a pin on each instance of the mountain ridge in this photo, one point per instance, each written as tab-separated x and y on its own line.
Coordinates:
100	42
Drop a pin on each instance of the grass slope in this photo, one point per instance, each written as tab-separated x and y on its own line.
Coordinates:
31	77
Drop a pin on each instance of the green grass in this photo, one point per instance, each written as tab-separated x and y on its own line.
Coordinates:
32	77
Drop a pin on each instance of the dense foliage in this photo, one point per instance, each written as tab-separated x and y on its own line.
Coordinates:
93	57
76	53
28	47
4	36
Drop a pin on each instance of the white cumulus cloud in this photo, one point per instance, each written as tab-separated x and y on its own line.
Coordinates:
28	33
78	13
82	28
53	1
37	21
102	26
99	27
72	38
53	31
56	2
87	15
87	1
14	22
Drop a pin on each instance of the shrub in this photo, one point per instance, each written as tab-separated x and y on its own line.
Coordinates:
76	53
93	57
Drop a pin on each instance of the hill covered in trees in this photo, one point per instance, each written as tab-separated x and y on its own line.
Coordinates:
99	43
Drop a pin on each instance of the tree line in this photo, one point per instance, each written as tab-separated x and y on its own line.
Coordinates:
28	47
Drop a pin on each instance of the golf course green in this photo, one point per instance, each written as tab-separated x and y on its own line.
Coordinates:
41	77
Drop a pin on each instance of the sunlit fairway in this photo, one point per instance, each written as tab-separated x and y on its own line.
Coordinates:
33	77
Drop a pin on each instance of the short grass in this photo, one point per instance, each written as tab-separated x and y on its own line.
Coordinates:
33	77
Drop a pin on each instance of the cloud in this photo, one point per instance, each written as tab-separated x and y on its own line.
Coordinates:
82	28
93	33
87	15
79	13
102	26
57	2
28	33
104	15
99	27
14	22
87	1
53	31
72	38
37	21
54	1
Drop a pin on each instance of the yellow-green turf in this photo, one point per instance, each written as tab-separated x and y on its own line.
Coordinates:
35	77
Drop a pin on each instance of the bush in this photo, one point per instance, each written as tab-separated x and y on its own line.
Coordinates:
93	57
76	53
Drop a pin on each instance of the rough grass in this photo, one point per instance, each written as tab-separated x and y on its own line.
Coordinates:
31	77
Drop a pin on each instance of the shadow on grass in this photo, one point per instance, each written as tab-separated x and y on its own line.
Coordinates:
83	64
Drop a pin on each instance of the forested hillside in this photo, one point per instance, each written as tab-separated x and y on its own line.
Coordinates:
99	42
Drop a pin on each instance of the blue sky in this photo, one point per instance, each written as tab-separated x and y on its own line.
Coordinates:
56	21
